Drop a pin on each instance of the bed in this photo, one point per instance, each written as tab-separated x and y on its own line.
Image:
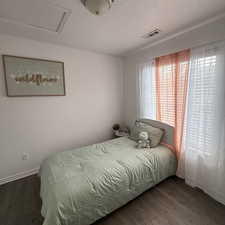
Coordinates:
83	185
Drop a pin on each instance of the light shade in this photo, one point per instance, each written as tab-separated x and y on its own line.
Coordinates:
97	7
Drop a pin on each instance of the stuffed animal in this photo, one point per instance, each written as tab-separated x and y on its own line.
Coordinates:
143	140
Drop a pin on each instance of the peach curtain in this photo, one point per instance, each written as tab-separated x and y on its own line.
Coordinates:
171	91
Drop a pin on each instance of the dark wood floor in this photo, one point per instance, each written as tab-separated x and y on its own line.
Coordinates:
170	203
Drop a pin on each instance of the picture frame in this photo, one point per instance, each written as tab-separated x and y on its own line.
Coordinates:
33	77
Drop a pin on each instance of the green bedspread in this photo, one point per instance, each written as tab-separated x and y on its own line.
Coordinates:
82	185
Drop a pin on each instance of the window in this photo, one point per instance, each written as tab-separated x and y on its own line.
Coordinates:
147	91
202	98
163	89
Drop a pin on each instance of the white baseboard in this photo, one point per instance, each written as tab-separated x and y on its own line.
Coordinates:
18	176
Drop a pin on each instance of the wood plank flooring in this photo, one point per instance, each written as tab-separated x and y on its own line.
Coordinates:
170	203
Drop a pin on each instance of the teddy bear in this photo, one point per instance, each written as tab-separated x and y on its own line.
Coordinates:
143	140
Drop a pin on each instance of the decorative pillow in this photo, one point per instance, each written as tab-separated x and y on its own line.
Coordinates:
155	134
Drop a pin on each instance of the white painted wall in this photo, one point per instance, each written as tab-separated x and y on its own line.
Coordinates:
209	33
41	126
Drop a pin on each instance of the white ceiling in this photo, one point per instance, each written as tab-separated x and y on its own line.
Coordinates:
117	32
34	14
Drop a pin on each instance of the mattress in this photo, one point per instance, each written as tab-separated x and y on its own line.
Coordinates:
83	185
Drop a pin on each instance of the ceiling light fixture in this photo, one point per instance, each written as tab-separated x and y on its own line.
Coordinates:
97	7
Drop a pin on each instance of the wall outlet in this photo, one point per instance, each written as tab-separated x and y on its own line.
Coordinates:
25	156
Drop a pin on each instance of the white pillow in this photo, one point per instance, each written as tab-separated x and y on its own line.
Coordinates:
155	134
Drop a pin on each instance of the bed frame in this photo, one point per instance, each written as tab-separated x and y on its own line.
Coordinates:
168	137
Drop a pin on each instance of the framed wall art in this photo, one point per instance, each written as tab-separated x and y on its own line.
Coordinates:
26	77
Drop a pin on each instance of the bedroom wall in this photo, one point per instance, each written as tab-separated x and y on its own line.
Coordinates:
214	31
40	126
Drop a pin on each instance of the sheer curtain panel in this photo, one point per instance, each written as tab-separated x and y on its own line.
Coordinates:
147	91
171	91
202	161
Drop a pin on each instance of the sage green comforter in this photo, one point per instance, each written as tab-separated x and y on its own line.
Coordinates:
82	185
